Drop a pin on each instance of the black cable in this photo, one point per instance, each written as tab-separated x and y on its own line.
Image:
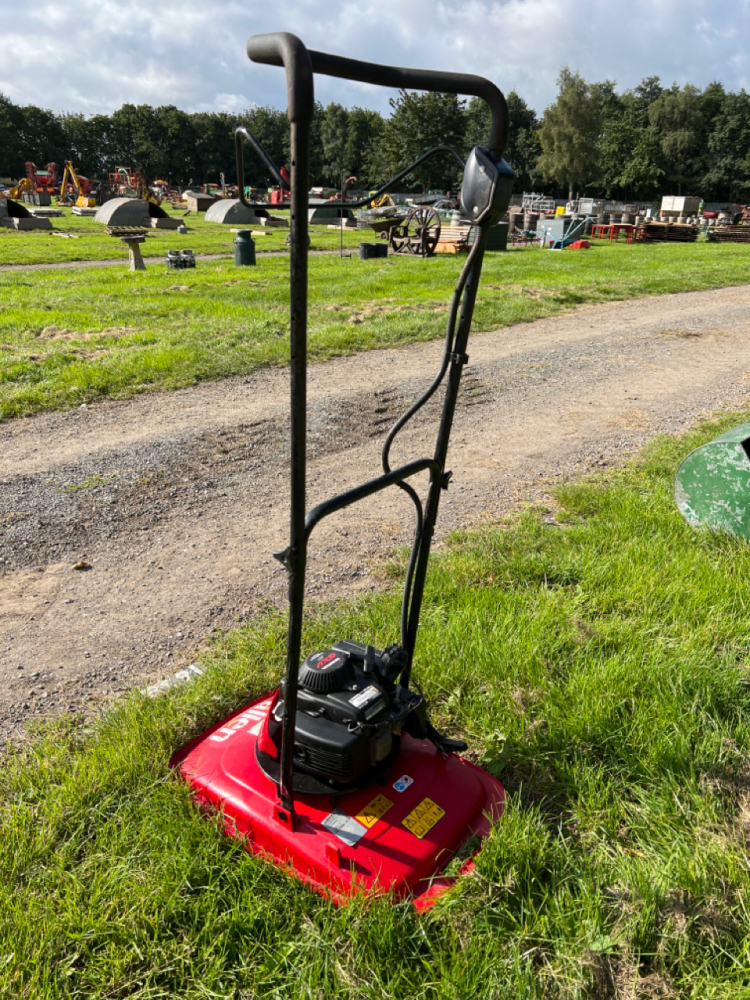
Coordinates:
406	599
242	132
449	338
449	334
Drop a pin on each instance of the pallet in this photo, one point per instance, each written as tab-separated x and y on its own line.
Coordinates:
453	239
661	232
729	234
450	247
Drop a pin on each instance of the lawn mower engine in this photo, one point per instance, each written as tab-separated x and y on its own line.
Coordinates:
351	713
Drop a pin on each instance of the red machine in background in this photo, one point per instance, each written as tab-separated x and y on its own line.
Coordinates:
279	195
124	181
47	180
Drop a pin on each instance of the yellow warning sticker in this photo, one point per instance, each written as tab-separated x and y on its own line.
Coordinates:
374	810
423	817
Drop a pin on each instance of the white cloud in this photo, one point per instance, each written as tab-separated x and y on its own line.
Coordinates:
102	53
226	102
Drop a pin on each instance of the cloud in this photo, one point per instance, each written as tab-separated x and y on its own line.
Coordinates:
192	54
225	102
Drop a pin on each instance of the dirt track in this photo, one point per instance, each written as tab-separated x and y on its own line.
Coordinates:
176	501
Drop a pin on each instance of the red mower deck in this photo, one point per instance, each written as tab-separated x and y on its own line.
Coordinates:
397	836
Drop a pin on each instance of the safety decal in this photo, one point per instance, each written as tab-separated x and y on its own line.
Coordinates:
374	811
423	817
365	696
345	827
403	783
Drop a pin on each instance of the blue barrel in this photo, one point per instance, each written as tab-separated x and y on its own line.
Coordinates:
244	248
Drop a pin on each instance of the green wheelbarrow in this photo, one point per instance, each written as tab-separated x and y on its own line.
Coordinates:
712	485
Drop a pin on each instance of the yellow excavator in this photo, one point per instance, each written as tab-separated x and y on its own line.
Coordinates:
82	186
382	201
144	189
16	193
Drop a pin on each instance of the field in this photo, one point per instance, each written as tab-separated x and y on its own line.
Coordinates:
594	656
69	336
89	241
593	653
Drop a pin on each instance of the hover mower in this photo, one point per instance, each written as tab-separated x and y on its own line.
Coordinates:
339	776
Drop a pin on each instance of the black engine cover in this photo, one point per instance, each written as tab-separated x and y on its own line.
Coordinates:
350	713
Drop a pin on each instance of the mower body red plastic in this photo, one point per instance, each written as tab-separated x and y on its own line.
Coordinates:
395	836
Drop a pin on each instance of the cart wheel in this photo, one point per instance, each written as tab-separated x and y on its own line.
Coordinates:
399	240
423	231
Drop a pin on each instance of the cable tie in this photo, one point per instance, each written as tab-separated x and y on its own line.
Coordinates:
459	359
285	558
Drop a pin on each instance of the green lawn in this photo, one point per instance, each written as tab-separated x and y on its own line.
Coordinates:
598	663
91	241
71	336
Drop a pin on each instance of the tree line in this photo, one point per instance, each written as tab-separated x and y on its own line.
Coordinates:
637	144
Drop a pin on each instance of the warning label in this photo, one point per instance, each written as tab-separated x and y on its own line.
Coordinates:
423	817
403	783
365	696
374	811
345	827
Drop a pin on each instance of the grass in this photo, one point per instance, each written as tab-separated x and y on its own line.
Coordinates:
72	336
597	661
90	240
88	483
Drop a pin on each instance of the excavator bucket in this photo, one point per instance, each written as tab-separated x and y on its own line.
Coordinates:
712	485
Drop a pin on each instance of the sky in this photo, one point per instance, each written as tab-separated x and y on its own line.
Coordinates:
94	55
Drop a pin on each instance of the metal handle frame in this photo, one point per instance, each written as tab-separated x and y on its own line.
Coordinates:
243	134
284	49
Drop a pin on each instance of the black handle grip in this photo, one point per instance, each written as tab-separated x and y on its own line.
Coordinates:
281	48
287	50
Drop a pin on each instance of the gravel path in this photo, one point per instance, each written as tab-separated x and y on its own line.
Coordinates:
177	500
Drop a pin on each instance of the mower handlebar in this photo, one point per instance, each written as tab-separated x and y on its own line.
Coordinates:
368	489
284	49
281	48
